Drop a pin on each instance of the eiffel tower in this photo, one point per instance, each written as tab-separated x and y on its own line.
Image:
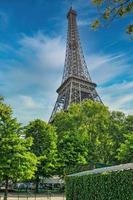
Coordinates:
76	82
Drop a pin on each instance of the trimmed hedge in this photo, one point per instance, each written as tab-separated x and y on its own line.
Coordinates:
115	185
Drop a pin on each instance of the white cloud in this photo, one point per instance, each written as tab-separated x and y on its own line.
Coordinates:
28	108
121	103
38	61
118	96
29	80
28	102
47	52
97	60
122	87
112	72
105	67
124	100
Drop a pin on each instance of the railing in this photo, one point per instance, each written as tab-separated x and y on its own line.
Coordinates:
31	196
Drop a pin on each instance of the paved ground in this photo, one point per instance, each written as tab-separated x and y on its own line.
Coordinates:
39	197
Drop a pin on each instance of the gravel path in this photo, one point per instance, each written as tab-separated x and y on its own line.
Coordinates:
39	197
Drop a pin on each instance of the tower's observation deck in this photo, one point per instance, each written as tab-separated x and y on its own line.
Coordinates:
76	82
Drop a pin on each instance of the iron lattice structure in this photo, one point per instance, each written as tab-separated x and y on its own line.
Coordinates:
76	82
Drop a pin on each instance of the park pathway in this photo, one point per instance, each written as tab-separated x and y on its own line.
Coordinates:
38	197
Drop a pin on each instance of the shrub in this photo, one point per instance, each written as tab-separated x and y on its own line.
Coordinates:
115	185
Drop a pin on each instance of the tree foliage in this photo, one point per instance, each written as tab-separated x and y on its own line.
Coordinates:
117	131
44	147
16	162
125	151
83	135
88	134
110	10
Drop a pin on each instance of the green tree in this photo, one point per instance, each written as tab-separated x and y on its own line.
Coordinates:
16	162
97	119
72	151
110	10
117	131
83	134
125	150
44	147
72	145
129	124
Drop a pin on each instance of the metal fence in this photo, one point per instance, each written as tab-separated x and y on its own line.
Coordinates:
31	196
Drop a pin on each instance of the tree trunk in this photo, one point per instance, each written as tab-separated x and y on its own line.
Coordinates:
6	189
37	184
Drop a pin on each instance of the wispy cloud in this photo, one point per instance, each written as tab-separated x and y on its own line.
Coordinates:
30	77
113	73
47	52
28	102
37	57
119	96
35	69
106	67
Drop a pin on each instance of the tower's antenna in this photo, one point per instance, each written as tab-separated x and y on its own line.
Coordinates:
71	3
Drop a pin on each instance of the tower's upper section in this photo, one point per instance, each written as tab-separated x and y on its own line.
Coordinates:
71	13
75	64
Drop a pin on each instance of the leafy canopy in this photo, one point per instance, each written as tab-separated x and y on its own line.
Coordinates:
125	150
83	135
16	162
89	134
44	146
108	11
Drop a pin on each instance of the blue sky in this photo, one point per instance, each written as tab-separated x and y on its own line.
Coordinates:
32	54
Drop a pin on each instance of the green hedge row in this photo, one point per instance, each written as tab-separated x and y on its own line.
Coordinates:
115	185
